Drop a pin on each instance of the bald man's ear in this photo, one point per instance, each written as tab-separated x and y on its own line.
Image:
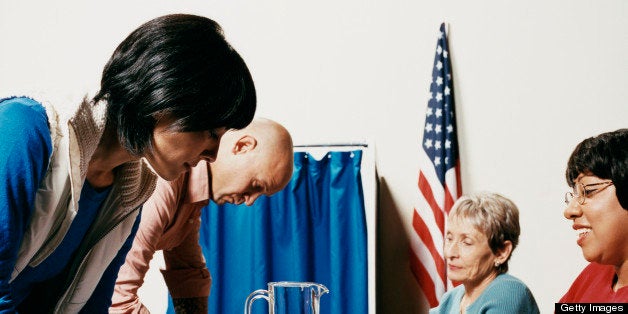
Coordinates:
244	144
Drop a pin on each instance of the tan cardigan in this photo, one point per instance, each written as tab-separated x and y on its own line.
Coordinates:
56	204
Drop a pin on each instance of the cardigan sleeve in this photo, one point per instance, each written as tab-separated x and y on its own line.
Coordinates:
25	150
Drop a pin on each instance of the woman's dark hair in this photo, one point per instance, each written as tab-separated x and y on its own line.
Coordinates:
179	67
604	156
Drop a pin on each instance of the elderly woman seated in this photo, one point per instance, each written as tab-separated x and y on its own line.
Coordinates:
482	231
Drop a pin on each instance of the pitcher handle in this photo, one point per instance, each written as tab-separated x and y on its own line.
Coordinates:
257	294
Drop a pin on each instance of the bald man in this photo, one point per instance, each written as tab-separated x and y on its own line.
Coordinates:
250	162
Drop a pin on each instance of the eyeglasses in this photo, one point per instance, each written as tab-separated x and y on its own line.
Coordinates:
580	191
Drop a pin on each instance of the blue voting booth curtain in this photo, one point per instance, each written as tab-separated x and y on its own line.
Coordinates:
313	230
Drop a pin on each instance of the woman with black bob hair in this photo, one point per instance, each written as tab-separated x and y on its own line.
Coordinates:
71	188
597	171
177	66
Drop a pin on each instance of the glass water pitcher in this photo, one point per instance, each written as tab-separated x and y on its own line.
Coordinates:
288	297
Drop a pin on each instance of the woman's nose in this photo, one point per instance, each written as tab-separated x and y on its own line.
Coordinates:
210	154
212	157
573	210
451	249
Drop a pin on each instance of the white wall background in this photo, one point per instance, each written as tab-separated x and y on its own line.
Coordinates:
532	79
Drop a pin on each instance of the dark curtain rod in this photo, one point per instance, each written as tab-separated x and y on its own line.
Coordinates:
332	145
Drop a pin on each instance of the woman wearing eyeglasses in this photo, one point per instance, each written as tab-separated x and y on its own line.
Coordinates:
598	206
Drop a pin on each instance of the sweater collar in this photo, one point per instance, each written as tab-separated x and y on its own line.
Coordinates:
85	128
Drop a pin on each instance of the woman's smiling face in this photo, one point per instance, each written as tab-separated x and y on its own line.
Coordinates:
600	223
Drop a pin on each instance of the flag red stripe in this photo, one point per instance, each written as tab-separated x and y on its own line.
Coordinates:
426	190
458	180
424	280
426	237
449	201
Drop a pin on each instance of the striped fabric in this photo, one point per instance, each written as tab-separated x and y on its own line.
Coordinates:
439	179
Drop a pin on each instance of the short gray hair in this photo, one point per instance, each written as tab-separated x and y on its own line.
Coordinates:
494	215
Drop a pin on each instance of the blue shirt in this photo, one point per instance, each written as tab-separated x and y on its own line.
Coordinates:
89	203
505	294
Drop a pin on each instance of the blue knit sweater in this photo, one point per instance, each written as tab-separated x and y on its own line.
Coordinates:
505	294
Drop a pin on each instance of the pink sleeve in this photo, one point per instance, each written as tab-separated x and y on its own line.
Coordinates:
186	273
157	213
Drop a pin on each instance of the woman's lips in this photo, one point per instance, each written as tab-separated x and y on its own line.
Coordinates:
583	233
453	267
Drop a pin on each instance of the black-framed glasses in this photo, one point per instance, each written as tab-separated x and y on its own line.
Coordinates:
582	191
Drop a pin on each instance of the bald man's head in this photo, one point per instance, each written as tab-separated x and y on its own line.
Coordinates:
252	161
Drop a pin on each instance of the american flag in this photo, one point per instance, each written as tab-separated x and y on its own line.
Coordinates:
439	179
